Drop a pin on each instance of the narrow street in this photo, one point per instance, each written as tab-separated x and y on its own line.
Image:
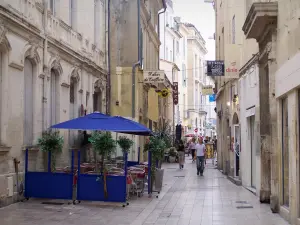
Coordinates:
186	199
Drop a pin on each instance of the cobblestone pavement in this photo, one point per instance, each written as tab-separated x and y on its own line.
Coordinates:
186	199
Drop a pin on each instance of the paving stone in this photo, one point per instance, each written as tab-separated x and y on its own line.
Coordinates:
186	199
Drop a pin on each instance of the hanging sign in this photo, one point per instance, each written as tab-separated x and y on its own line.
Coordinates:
164	93
215	68
212	98
175	93
207	90
154	76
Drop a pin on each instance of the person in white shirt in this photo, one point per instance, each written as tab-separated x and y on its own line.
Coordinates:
192	148
200	152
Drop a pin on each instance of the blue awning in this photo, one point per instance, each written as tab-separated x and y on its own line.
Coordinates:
102	122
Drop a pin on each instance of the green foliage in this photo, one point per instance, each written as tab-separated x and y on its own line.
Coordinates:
157	147
164	131
172	152
51	141
103	143
125	143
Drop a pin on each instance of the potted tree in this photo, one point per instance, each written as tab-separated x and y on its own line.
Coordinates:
172	154
125	144
157	147
104	145
52	143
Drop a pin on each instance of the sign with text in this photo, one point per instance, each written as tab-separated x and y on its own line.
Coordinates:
154	76
175	93
215	68
207	90
232	62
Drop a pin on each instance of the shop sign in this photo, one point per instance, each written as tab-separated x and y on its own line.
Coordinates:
175	93
207	90
212	98
151	77
215	68
232	71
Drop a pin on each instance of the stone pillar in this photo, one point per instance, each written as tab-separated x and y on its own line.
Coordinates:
265	131
275	149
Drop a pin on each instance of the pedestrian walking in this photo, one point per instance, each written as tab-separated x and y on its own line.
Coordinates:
192	148
200	152
180	150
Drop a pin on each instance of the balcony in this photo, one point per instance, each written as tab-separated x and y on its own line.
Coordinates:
261	17
62	32
202	110
28	11
31	14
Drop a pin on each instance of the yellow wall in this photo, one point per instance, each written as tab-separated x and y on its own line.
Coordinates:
153	105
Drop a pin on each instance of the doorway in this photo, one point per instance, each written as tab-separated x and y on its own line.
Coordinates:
236	150
253	154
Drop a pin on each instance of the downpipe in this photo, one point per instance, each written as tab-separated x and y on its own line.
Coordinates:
158	28
108	83
138	63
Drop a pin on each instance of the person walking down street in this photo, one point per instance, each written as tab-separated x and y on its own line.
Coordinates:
200	152
192	148
180	150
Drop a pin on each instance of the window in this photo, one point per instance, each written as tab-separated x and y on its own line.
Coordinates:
71	13
285	153
183	75
177	47
97	23
53	7
233	29
167	19
28	102
54	85
167	51
183	46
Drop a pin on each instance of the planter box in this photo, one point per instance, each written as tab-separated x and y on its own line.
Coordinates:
172	159
159	175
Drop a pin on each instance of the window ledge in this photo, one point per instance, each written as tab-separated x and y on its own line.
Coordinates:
4	149
31	148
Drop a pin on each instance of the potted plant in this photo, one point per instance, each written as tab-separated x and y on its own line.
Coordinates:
125	144
157	147
172	154
104	145
52	142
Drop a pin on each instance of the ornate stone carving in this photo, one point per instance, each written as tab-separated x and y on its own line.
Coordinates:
100	85
3	31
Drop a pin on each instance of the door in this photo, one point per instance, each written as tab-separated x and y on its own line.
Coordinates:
236	149
253	155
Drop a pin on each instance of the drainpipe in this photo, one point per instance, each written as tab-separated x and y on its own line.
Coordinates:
173	78
138	63
108	83
158	25
44	64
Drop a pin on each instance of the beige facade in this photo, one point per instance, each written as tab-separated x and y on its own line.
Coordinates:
53	62
269	70
196	102
130	97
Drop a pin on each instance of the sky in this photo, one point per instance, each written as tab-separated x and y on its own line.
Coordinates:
202	15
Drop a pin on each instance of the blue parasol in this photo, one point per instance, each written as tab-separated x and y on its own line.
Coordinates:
102	122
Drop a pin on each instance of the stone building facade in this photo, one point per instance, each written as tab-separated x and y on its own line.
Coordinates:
270	70
53	68
134	48
196	102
